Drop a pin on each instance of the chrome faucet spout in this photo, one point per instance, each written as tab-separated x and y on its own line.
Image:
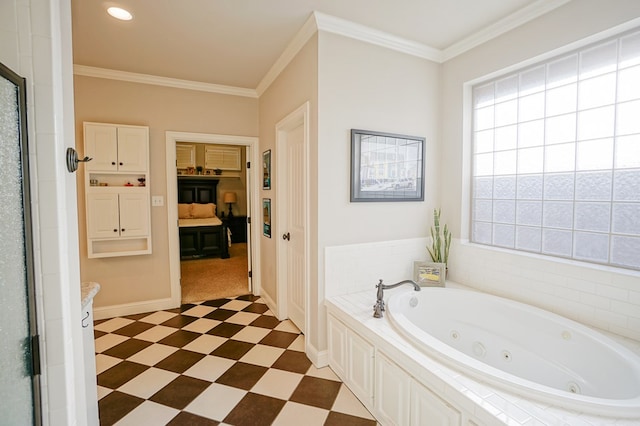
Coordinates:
378	308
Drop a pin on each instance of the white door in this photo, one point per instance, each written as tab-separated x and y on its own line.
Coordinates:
294	225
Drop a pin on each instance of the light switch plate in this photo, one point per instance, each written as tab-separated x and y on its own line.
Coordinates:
157	201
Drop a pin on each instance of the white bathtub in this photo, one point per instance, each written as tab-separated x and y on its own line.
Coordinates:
521	349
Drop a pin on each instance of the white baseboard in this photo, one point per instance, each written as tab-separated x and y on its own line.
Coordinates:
112	311
318	358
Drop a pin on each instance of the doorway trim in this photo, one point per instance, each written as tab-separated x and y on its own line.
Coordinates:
294	119
172	200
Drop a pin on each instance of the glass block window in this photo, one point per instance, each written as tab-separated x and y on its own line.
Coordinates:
556	156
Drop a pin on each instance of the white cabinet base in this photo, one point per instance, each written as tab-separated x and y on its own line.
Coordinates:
392	394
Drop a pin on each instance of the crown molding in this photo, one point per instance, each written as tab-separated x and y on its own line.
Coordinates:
295	45
132	77
318	21
350	29
504	25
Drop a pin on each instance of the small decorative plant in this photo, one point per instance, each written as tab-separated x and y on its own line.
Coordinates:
440	243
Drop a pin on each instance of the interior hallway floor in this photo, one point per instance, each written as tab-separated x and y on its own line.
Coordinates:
220	362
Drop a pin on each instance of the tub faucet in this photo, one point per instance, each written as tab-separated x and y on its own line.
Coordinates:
378	308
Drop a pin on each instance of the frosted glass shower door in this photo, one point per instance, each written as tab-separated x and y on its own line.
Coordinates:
19	390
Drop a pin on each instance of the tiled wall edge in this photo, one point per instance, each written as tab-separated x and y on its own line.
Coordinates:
359	267
598	296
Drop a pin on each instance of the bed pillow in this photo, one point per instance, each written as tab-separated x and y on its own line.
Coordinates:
184	211
202	211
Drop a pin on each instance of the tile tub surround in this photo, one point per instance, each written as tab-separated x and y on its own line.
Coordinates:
598	296
479	401
227	360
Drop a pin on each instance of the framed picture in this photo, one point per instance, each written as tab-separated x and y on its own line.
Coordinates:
266	169
386	167
429	274
266	217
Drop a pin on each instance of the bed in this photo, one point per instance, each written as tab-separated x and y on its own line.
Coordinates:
202	233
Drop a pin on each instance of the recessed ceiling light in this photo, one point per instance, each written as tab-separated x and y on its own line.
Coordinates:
119	13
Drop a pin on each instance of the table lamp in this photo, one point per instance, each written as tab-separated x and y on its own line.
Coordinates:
230	198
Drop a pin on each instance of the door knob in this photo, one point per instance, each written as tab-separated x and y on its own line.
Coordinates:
286	236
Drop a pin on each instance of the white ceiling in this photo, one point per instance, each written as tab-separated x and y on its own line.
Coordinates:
235	42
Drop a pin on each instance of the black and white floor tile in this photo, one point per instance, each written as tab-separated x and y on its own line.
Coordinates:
219	362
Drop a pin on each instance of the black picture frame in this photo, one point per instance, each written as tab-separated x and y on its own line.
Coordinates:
386	167
266	169
266	217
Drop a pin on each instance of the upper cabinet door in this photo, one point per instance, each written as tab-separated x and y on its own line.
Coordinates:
101	144
116	149
132	149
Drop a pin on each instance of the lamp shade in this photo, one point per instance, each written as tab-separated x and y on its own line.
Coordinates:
230	197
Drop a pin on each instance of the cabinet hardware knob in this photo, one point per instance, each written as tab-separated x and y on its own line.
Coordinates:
121	163
113	163
122	229
286	236
115	230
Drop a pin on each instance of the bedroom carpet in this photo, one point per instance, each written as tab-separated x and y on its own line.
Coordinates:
215	278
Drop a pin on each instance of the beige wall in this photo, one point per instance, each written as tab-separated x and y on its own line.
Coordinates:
144	278
297	84
368	87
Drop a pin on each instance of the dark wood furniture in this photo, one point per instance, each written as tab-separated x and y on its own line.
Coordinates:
201	241
238	227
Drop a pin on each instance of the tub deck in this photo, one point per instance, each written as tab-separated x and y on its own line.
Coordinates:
488	404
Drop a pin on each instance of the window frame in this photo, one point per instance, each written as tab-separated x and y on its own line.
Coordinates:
470	112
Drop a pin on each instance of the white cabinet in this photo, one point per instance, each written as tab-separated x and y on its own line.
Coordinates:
427	409
360	356
391	392
116	147
351	358
117	193
337	345
117	215
223	158
89	356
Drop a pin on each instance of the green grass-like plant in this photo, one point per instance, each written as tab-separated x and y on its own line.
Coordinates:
440	243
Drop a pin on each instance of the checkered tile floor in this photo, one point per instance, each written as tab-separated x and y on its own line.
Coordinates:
220	362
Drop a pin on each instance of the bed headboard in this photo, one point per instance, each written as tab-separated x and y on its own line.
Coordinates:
200	191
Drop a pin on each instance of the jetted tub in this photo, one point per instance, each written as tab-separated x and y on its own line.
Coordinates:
520	348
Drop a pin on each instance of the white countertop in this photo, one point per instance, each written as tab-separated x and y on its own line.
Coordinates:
88	291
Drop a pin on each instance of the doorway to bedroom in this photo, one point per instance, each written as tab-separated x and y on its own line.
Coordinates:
212	216
213	204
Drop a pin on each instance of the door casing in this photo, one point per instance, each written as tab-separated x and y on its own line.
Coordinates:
172	200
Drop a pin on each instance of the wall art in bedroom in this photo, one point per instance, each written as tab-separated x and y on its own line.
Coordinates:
266	217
